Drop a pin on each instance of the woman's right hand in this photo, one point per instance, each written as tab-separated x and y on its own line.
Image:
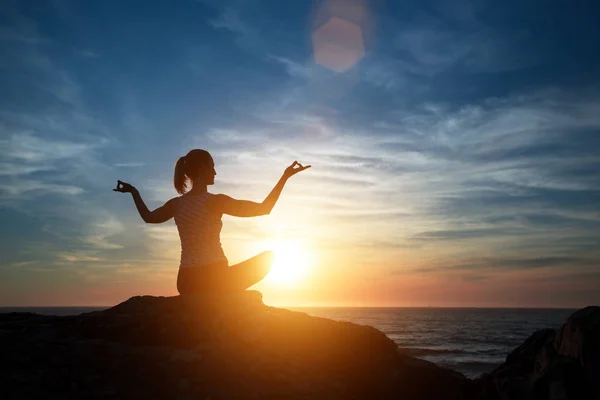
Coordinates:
124	187
291	171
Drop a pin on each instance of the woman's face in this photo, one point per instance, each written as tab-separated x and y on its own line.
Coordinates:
208	172
212	173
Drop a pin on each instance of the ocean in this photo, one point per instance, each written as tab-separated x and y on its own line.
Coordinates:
469	340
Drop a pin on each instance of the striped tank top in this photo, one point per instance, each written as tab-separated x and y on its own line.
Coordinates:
199	231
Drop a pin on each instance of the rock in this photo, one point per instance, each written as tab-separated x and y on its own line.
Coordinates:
213	347
553	365
420	379
579	339
235	347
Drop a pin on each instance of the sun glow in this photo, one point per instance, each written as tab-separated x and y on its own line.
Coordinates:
291	263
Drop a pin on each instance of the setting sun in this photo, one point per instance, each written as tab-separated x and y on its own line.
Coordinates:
292	262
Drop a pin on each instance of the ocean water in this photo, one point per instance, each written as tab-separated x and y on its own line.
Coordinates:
61	311
469	340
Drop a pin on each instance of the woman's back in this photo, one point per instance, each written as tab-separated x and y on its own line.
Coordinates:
199	231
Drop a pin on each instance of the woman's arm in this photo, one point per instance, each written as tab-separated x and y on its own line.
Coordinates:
245	208
160	215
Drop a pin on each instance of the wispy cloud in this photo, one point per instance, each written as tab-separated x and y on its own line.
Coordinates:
101	231
36	150
440	49
130	165
294	68
433	50
87	53
498	265
26	156
78	258
230	20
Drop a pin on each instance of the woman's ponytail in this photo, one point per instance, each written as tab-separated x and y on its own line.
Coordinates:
191	167
180	179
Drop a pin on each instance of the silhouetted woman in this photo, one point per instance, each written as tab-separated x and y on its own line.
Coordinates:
197	213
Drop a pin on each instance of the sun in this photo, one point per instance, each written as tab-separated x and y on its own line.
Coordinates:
290	264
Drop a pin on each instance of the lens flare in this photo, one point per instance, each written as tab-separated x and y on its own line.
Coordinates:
338	37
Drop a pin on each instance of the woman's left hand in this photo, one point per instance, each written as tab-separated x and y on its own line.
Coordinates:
124	187
291	171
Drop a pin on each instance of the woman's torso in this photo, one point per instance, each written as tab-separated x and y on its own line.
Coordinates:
199	230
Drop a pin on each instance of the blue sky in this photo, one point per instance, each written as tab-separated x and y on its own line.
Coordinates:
456	162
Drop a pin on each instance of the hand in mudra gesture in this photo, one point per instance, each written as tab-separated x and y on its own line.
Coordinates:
124	187
291	170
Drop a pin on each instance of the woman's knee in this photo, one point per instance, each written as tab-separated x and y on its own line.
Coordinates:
261	263
267	258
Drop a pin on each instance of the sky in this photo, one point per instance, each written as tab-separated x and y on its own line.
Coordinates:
455	147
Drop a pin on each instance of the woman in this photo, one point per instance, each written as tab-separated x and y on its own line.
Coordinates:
197	214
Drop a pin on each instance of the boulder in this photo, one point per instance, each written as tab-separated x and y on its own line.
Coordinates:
551	364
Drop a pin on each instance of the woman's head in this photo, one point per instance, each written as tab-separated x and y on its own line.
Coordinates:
197	167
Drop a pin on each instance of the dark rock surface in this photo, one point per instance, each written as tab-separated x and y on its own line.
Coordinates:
551	364
209	348
238	348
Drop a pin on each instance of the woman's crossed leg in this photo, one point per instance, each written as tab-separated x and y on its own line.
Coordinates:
220	278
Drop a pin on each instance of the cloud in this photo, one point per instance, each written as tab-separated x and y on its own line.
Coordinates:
230	20
294	68
28	148
78	257
495	264
434	50
100	232
386	72
35	188
87	53
130	165
456	234
248	38
15	169
26	156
